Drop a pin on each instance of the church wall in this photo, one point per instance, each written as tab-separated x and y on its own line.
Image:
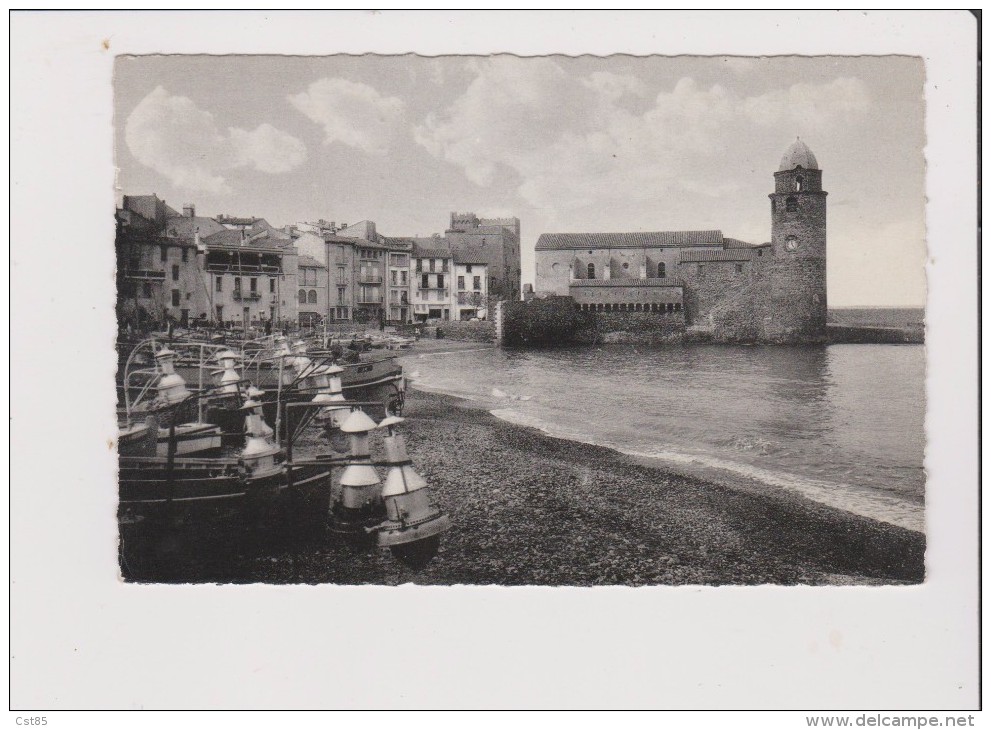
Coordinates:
599	256
716	288
630	327
777	296
668	256
794	309
627	263
627	295
553	271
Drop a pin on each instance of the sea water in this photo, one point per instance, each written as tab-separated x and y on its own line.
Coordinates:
840	424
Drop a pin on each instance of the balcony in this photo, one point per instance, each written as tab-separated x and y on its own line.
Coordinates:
242	269
251	296
146	274
370	279
364	299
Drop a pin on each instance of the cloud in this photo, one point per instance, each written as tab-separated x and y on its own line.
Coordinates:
174	137
566	140
267	149
810	105
352	113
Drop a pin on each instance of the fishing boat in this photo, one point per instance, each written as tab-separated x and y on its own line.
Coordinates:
156	413
249	478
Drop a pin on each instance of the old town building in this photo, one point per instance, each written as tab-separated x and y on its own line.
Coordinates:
702	280
497	242
184	268
311	299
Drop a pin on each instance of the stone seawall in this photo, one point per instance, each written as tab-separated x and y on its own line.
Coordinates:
557	320
845	334
647	328
550	321
467	331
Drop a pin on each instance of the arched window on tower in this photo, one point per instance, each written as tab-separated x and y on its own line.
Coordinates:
661	270
791	204
798	183
302	296
591	271
312	297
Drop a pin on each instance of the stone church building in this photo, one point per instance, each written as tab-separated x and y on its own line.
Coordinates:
701	283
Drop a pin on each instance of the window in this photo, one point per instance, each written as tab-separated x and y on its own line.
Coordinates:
253	283
146	290
220	313
440	281
662	270
402	278
760	252
175	272
185	255
477	283
271	285
468	269
791	243
739	268
461	283
340	295
311	298
701	269
432	264
302	296
798	183
175	297
791	204
164	253
218	284
425	283
395	277
625	266
591	271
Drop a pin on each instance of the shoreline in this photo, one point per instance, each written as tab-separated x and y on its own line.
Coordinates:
529	509
718	533
740	476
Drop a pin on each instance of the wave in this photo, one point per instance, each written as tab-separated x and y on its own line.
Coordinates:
877	506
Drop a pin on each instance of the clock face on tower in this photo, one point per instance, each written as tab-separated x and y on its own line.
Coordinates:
791	243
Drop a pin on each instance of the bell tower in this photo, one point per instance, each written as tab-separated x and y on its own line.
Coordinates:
797	271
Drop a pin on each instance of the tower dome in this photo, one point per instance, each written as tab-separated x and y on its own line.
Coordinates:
798	155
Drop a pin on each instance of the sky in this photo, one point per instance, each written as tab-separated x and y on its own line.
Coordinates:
586	144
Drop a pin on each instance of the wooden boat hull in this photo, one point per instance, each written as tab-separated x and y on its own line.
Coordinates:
191	438
145	483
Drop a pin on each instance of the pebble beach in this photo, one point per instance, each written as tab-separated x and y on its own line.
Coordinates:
530	509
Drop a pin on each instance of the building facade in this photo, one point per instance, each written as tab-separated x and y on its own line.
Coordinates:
311	299
371	278
159	272
253	278
471	280
497	241
184	268
433	268
399	304
726	288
